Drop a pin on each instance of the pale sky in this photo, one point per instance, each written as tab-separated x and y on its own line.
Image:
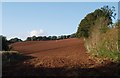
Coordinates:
22	19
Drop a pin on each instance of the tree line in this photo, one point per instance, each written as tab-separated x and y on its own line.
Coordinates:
4	43
39	38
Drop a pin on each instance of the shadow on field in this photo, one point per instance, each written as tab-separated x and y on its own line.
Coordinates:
14	58
110	70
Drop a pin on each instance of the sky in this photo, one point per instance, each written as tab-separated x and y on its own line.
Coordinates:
59	0
23	19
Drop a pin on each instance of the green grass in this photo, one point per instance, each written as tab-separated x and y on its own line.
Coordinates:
108	45
105	45
111	55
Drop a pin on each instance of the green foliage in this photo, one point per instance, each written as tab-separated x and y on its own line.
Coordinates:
3	43
105	45
54	38
49	37
68	36
44	38
28	39
109	12
34	38
13	40
102	37
103	29
111	55
118	34
11	56
73	35
85	26
39	38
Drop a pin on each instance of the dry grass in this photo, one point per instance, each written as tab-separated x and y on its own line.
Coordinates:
104	45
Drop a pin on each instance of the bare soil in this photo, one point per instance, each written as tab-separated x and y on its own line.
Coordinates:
56	53
67	58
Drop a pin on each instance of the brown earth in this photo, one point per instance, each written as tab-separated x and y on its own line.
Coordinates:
66	57
57	52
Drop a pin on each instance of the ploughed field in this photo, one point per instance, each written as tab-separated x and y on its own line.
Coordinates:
55	53
67	58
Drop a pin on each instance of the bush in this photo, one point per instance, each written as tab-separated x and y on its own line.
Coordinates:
3	43
11	56
86	25
104	45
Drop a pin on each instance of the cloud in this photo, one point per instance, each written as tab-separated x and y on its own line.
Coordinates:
37	32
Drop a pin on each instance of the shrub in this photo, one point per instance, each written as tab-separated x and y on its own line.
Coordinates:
11	56
104	45
3	43
85	26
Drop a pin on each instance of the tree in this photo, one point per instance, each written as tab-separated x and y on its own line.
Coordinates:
34	38
3	43
39	38
44	38
49	37
68	36
28	39
54	37
59	37
64	37
13	40
85	26
73	35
